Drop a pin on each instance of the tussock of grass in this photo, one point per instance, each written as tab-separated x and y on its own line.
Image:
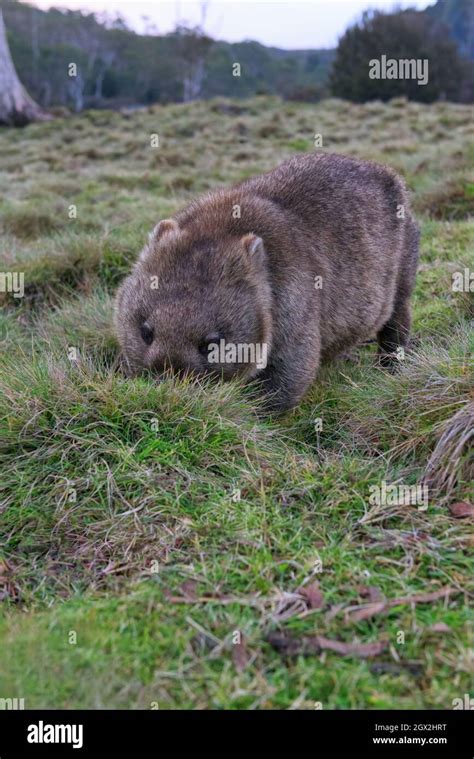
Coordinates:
73	263
157	519
451	460
398	413
85	323
29	222
450	200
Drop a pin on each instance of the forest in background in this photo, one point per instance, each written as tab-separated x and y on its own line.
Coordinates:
118	67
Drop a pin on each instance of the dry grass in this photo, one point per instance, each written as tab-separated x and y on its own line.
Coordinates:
452	460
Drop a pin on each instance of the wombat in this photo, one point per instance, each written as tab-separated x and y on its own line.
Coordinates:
274	275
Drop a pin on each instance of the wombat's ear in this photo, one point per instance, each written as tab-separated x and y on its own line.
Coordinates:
254	248
163	227
166	225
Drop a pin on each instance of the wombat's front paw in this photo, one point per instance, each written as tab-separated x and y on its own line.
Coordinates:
275	401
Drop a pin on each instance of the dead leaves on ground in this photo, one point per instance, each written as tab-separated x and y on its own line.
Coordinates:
286	605
312	595
308	598
241	656
439	627
365	612
370	592
360	613
309	645
289	645
461	510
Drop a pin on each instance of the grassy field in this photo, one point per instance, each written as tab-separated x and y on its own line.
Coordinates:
161	546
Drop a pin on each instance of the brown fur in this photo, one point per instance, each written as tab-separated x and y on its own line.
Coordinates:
318	215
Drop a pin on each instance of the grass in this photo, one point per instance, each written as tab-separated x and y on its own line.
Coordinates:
154	538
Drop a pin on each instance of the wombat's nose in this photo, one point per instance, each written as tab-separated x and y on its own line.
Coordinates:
160	365
168	366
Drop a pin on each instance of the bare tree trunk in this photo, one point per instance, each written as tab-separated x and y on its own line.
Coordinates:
76	91
17	108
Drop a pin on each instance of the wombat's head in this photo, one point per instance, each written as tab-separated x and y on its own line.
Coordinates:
196	305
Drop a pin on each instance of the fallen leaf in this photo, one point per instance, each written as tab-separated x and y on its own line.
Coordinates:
461	510
312	595
188	592
240	656
311	645
365	612
440	627
370	592
188	589
364	650
358	613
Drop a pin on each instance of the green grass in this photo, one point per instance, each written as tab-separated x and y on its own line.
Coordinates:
143	526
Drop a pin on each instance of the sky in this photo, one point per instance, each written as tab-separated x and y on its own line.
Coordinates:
289	24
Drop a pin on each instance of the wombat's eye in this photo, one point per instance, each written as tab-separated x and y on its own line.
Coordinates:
147	333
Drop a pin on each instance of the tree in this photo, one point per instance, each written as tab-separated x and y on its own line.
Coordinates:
17	108
192	50
458	15
402	36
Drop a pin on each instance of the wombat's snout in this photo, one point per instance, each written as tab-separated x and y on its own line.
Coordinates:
163	371
165	367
